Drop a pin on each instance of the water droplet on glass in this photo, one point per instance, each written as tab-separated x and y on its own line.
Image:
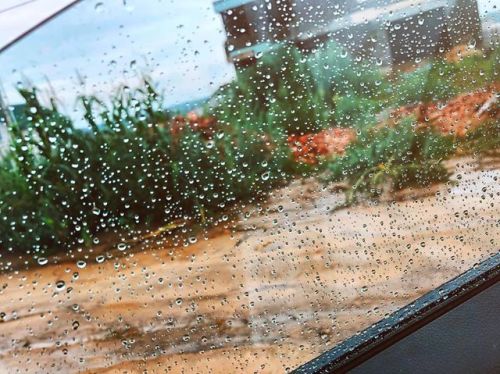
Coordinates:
60	285
99	7
129	7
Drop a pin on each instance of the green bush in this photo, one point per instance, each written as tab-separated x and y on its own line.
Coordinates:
356	111
393	158
439	80
336	72
281	90
61	186
299	92
483	140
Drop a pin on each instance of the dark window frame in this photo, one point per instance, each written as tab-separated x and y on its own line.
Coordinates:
381	335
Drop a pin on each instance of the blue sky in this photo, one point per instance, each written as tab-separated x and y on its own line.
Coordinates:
178	42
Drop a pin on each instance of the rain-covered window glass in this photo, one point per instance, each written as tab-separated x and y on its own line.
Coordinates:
236	186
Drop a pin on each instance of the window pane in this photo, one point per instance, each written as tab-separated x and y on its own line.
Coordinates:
191	186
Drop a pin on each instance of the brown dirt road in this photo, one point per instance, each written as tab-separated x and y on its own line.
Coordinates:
292	281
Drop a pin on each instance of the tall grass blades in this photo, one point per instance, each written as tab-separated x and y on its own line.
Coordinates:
393	158
61	186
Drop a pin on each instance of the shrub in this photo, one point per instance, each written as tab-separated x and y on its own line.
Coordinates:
61	186
440	80
356	111
483	140
397	158
282	88
336	72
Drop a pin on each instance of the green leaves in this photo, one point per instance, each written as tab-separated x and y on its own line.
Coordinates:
397	158
61	187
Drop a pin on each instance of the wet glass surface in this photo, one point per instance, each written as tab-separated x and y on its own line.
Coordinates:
237	186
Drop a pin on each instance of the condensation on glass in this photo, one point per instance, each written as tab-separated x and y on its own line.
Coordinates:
198	186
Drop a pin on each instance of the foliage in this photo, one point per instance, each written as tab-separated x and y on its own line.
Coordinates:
61	186
299	92
358	111
397	157
441	80
279	90
337	72
484	139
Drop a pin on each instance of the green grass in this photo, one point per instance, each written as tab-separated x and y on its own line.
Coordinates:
62	187
393	158
438	80
482	141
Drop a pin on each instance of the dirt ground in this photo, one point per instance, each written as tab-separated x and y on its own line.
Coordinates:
290	282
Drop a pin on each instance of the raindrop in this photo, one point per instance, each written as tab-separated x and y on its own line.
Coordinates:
129	7
60	285
99	7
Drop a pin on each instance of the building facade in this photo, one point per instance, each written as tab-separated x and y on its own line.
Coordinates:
392	31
